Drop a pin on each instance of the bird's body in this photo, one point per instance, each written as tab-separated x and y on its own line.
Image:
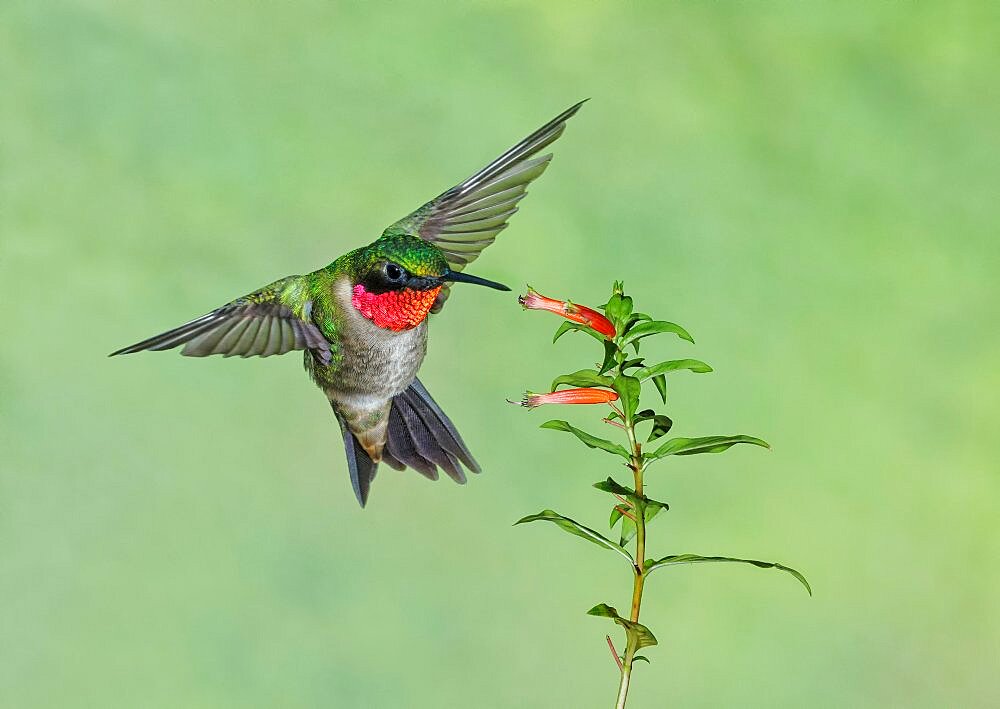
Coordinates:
361	321
373	364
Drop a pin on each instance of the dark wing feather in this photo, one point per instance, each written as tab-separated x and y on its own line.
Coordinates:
257	325
466	219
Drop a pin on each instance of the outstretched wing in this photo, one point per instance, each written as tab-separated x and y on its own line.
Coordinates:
466	219
260	324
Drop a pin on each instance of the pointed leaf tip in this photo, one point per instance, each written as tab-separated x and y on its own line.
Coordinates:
694	365
650	565
612	486
589	440
660	381
575	528
655	327
704	444
610	353
603	610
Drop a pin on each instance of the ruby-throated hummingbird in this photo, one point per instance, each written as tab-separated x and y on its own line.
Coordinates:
362	320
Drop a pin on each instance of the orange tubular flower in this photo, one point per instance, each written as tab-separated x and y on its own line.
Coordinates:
581	395
533	300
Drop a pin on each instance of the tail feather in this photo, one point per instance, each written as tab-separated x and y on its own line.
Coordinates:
392	462
440	425
403	448
359	465
419	436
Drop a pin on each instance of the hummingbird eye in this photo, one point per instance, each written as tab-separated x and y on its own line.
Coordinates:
393	272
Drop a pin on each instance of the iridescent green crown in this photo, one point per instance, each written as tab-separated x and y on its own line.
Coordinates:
412	253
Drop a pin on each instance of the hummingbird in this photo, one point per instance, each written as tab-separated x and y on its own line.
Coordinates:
361	321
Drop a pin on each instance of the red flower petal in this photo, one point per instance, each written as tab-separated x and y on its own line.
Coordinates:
533	300
580	395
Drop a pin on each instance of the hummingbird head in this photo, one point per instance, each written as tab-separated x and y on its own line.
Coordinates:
398	279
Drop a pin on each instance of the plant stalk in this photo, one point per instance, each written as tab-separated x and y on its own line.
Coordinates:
638	569
623	687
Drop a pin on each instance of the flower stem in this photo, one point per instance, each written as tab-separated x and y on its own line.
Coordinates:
640	523
638	570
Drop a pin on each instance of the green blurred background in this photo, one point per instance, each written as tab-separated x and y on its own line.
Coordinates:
811	190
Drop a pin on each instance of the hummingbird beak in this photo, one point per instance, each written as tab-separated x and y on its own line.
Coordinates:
459	277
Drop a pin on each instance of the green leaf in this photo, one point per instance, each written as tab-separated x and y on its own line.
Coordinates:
650	507
628	389
661	386
705	444
576	528
644	636
628	364
655	327
634	320
697	559
641	657
618	309
564	328
671	366
570	326
653	507
610	485
628	531
588	439
603	610
661	426
582	378
638	635
610	351
661	423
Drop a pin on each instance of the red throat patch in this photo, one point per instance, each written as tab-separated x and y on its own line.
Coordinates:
394	310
